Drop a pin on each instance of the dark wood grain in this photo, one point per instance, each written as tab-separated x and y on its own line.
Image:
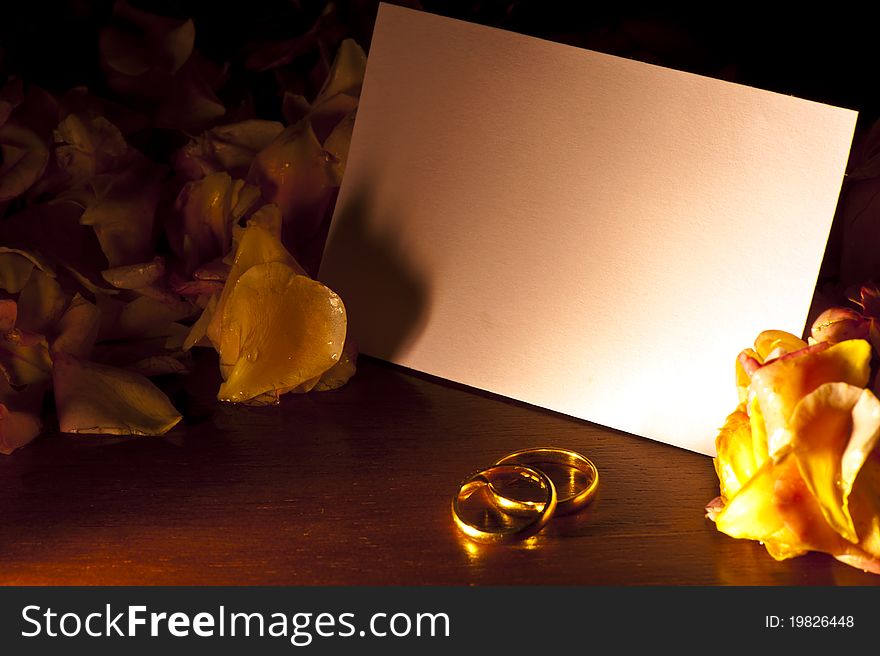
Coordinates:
354	487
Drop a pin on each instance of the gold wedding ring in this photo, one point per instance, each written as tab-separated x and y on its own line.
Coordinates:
574	476
477	514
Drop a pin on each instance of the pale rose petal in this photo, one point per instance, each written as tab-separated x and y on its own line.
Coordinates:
78	328
297	174
338	97
79	100
121	211
23	158
714	508
864	562
198	333
40	304
93	398
293	171
205	212
838	325
347	72
326	114
268	217
195	288
50	235
15	271
135	276
24	359
159	365
88	145
8	315
141	317
230	148
17	429
337	145
35	258
214	270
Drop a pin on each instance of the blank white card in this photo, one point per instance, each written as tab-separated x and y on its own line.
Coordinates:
586	233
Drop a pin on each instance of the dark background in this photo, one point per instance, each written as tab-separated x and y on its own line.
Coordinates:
826	56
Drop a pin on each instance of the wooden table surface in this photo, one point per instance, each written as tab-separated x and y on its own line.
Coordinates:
354	487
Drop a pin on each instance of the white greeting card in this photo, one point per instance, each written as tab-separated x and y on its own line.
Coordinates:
586	233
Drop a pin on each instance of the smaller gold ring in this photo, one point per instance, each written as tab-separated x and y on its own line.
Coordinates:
504	530
557	464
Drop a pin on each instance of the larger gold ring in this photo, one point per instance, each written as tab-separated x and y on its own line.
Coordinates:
476	514
574	476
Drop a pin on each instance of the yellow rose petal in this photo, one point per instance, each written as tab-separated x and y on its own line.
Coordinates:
774	343
94	398
279	330
339	374
15	271
17	428
743	376
758	429
198	331
78	328
834	429
41	303
257	245
864	505
752	514
776	508
781	384
735	460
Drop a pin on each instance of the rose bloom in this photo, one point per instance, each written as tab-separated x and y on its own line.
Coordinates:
797	461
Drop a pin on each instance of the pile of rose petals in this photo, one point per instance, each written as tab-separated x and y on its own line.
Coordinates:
115	264
799	459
